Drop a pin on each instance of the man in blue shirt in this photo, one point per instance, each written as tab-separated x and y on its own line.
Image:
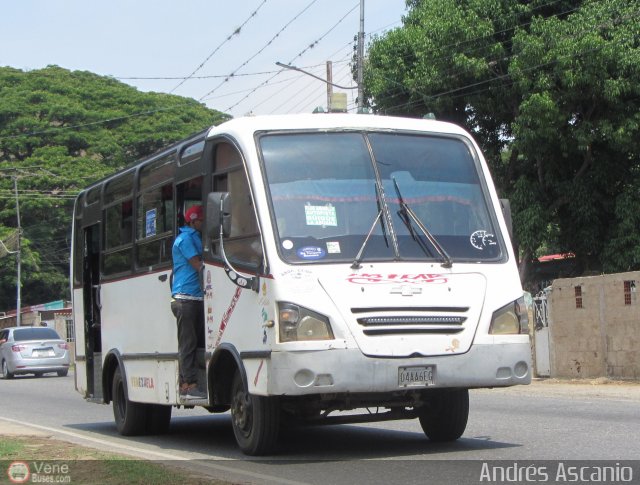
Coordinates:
187	302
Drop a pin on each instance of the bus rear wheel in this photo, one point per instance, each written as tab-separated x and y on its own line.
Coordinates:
129	416
255	419
445	417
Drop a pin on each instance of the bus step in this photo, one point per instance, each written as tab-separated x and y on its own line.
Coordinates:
194	402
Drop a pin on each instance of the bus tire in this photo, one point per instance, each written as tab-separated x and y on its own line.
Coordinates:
158	418
129	416
255	419
445	417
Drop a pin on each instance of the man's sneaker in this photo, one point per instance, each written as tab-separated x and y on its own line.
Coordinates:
195	393
184	387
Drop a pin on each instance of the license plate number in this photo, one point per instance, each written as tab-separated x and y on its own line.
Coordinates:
43	353
419	376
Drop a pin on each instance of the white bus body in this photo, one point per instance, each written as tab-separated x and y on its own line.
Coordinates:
327	293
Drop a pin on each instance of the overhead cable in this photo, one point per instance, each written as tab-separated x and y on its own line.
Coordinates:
313	44
229	37
229	76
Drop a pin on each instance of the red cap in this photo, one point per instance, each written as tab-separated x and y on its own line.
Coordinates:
193	213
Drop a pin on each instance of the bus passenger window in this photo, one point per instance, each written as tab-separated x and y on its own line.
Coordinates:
156	213
118	235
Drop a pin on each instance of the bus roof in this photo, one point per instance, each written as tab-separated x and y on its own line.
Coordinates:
330	121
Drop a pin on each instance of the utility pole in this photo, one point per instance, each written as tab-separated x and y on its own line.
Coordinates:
18	256
360	59
329	86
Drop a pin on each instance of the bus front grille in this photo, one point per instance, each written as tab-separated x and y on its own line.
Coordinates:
393	321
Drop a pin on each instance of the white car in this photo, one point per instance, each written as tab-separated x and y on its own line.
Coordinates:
33	350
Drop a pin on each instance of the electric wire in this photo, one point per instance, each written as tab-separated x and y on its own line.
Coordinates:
229	37
229	76
313	44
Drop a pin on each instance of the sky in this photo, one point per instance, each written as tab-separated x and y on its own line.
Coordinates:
227	50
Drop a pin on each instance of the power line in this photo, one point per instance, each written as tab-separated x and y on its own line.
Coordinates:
173	78
313	44
229	37
229	76
93	123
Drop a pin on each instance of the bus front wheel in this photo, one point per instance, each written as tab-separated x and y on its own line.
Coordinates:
445	417
255	419
129	416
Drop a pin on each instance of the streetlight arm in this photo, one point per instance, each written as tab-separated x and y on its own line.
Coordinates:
294	68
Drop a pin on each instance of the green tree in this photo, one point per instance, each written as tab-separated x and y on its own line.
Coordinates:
551	90
60	131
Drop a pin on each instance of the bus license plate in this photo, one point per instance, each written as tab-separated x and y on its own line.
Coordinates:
422	376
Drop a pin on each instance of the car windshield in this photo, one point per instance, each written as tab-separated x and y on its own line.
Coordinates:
35	333
325	203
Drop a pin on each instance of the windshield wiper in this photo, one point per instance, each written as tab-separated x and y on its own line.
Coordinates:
407	215
356	262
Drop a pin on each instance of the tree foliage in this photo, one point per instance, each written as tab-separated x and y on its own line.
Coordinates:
60	131
551	91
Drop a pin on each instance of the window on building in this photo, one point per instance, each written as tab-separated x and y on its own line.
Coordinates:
629	288
578	293
71	335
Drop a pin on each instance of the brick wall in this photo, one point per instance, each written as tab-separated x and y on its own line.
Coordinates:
594	325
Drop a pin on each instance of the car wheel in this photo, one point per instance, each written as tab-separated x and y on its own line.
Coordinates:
129	416
5	370
37	374
255	419
63	373
445	417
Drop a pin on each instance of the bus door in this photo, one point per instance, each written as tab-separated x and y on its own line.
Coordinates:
92	309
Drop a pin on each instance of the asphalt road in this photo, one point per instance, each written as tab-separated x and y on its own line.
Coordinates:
545	421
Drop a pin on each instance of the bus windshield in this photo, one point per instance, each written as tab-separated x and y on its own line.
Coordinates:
328	189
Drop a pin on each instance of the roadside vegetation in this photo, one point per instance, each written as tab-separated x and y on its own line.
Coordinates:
90	466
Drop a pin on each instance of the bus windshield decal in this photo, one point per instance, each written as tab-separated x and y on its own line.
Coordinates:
372	279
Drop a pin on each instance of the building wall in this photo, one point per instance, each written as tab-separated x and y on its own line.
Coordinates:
602	337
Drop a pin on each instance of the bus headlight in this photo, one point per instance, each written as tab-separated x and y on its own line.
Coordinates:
298	323
510	319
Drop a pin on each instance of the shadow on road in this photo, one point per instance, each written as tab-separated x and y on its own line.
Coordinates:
212	435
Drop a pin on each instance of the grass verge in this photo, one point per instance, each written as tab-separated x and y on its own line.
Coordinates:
60	459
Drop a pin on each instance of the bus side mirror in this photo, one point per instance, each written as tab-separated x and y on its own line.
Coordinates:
219	214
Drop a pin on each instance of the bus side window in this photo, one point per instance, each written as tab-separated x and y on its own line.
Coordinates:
155	213
243	245
118	236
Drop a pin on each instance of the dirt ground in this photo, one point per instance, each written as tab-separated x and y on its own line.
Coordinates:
600	388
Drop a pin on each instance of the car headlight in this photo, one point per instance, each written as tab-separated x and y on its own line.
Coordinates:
298	323
510	319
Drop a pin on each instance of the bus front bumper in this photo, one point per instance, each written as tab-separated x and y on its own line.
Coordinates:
349	371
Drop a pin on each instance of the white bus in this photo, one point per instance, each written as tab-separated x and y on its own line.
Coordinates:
352	263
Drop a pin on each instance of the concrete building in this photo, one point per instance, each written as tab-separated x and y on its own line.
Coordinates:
592	327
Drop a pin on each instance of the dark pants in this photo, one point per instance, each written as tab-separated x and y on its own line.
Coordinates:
190	318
